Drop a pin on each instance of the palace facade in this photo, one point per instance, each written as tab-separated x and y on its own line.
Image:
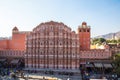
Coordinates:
54	45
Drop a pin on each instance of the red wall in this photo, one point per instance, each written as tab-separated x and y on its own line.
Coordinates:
84	38
17	42
4	44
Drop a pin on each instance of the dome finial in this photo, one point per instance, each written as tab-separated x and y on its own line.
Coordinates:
84	23
15	29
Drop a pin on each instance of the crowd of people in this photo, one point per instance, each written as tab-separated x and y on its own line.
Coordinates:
9	71
98	73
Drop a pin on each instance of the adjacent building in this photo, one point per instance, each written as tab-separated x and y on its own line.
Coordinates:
14	48
16	42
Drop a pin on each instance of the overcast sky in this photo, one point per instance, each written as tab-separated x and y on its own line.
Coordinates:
102	15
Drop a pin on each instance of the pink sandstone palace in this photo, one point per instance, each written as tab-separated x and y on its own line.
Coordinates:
52	45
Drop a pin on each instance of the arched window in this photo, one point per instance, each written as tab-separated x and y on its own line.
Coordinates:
88	30
84	30
80	30
41	43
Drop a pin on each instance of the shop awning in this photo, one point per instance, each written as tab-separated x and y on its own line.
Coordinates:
98	65
2	60
89	65
107	65
15	61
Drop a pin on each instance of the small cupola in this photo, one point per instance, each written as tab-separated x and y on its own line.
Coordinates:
15	29
84	23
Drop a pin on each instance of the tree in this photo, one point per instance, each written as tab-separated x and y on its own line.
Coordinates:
118	41
113	41
116	61
98	41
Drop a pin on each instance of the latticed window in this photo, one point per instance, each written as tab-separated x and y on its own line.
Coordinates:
51	33
60	33
51	28
41	52
50	42
60	43
41	43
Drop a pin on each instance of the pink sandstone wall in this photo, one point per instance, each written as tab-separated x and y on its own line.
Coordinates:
4	44
12	53
95	54
17	42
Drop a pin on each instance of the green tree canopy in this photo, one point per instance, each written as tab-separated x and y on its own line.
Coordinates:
98	41
118	41
101	40
113	41
116	61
